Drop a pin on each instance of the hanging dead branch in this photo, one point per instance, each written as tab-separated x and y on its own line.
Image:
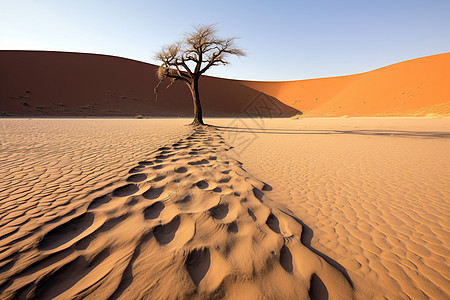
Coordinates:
188	59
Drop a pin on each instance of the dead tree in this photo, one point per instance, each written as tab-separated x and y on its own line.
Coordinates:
191	57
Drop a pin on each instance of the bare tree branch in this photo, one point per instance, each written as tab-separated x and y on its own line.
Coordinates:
201	48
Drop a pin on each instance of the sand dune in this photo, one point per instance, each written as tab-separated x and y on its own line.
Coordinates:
255	208
73	84
187	222
410	88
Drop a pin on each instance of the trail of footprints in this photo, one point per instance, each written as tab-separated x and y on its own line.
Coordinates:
189	222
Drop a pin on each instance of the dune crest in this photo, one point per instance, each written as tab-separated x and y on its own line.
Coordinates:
188	223
409	88
40	83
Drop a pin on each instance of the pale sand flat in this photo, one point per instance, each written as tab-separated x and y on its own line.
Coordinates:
373	192
186	221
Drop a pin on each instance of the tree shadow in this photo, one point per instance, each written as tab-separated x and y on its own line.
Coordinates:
392	133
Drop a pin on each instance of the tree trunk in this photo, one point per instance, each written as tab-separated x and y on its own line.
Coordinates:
198	118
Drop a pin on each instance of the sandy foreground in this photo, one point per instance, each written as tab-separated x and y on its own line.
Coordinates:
373	192
257	208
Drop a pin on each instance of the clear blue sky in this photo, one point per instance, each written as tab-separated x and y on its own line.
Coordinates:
285	40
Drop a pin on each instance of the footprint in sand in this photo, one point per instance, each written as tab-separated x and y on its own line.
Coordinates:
273	223
99	201
164	234
286	259
158	178
198	262
66	232
208	238
153	193
219	212
126	190
137	169
202	184
137	178
181	170
153	211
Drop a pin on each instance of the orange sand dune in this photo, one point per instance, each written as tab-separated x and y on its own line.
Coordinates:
75	84
413	87
152	209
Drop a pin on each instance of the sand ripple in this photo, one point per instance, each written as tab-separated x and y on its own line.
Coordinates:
374	193
188	222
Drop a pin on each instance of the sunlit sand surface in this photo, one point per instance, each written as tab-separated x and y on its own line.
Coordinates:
374	193
287	209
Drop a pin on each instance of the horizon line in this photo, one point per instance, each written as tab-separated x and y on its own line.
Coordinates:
237	79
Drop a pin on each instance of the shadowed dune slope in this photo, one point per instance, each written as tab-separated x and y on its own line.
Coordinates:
59	84
76	84
411	88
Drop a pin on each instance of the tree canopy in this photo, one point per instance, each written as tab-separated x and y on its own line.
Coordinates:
200	48
188	59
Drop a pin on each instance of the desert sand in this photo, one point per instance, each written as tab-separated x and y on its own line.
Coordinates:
372	193
252	208
185	221
255	208
39	83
